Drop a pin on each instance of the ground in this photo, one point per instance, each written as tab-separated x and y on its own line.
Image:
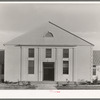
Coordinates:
80	87
4	86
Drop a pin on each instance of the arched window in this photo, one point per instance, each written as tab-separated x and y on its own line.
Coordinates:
49	34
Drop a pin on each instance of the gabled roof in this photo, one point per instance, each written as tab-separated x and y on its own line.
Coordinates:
60	37
96	57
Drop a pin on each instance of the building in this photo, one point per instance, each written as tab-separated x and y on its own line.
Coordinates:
48	53
96	64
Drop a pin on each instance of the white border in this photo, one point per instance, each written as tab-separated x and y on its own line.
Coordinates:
49	93
54	2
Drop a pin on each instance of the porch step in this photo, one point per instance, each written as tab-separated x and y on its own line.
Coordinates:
46	86
43	82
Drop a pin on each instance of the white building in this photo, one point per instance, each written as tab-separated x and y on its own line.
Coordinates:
49	53
96	64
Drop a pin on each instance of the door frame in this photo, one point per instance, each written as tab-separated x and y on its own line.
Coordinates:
43	70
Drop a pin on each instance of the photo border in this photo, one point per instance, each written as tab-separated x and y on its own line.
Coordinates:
53	92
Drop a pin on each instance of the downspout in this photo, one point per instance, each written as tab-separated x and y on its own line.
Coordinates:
38	66
73	66
56	66
20	63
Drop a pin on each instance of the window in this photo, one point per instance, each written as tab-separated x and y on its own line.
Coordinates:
48	53
94	69
65	67
31	67
94	66
31	52
65	53
31	61
49	34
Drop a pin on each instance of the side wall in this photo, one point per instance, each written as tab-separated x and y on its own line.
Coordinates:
57	58
12	64
83	59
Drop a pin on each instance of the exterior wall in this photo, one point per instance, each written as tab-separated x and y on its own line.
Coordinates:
24	70
16	63
83	63
43	59
40	58
12	64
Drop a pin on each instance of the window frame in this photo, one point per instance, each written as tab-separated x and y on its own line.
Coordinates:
29	53
30	67
67	67
94	68
67	52
46	56
66	59
31	59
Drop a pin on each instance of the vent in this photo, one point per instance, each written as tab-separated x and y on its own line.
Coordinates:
49	34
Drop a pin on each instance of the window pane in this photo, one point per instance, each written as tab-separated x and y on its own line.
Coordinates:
30	67
94	65
48	53
65	67
31	52
94	71
65	53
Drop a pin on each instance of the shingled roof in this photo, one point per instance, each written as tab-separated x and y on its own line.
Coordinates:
96	58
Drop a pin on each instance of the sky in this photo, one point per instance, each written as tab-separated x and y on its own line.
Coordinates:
80	19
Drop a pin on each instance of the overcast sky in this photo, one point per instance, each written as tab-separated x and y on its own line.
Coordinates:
81	19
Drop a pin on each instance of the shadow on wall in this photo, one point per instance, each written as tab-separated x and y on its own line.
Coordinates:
1	65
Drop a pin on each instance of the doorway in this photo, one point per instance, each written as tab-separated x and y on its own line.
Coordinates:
48	71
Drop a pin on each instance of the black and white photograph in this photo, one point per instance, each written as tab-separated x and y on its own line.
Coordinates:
50	46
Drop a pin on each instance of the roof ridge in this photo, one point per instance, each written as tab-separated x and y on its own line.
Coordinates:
70	33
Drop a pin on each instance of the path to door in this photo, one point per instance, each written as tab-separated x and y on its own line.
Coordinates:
46	86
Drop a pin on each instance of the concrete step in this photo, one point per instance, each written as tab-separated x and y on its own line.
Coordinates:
43	82
46	86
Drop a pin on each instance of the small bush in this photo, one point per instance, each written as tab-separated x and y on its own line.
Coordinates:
84	82
95	81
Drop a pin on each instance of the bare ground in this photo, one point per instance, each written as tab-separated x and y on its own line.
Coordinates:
4	86
79	87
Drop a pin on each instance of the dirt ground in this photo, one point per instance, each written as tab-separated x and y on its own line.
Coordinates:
4	86
80	87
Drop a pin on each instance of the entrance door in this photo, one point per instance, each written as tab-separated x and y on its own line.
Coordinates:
48	71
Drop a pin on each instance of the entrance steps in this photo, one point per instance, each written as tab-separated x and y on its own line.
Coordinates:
45	85
48	85
43	82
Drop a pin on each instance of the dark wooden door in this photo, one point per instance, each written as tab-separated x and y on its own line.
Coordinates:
48	71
